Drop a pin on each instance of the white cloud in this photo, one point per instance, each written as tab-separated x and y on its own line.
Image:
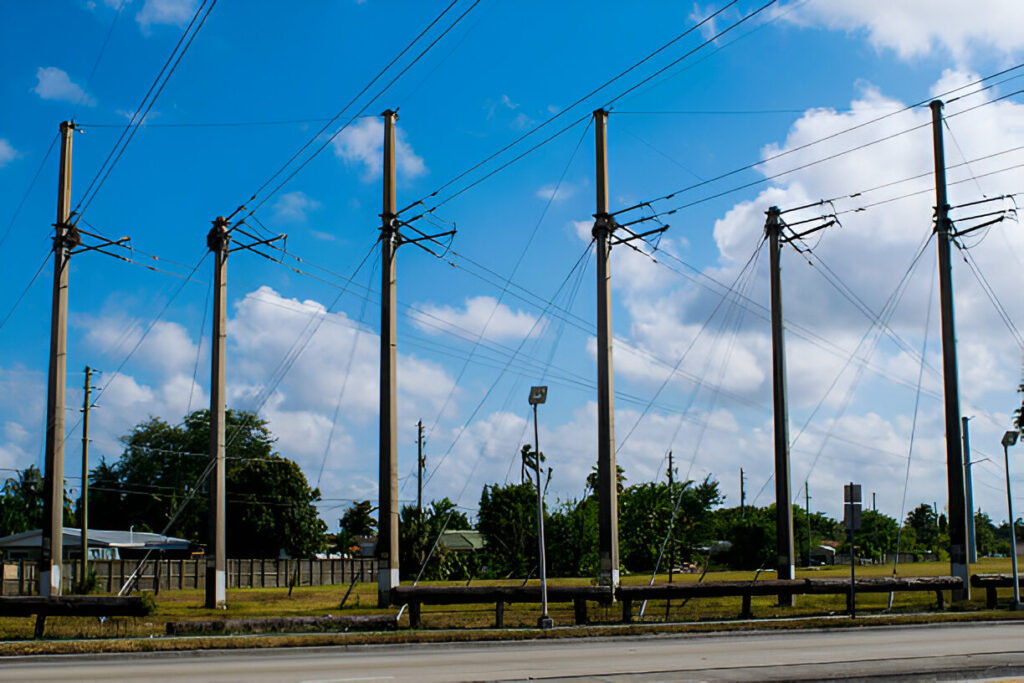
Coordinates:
7	152
293	207
914	28
481	315
363	144
557	193
55	84
174	12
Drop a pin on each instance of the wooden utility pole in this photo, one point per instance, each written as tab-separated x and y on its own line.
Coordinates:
783	496
954	449
84	575
387	524
218	240
743	496
607	474
65	239
421	463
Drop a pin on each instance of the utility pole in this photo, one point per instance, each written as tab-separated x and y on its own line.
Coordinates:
421	463
807	511
84	575
874	502
607	473
66	238
972	542
783	495
743	496
954	449
218	241
387	524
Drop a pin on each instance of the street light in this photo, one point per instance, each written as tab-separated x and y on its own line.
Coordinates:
1009	439
539	395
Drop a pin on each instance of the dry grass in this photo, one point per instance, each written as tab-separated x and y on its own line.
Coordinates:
476	621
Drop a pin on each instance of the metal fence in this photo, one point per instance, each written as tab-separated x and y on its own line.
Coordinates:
21	578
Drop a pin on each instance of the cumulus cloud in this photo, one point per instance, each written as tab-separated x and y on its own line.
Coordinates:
362	145
173	12
481	316
913	28
7	152
293	207
54	84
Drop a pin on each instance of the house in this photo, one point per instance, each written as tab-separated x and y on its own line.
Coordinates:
103	544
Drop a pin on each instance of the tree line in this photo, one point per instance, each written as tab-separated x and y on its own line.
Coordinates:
158	484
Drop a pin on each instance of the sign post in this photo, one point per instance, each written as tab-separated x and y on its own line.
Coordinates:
851	516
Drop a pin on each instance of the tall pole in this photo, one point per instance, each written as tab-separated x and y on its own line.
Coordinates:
743	496
421	462
807	513
607	473
783	495
954	450
65	239
544	621
387	525
1007	442
84	574
218	240
972	539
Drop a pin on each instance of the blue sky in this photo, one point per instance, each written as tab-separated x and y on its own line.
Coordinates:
518	276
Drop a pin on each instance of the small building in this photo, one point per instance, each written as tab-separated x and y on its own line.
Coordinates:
103	544
823	555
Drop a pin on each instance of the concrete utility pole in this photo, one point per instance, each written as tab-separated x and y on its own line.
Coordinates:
954	450
972	542
65	239
421	463
607	473
218	240
387	524
783	495
85	475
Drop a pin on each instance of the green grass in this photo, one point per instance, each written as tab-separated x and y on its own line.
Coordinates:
313	601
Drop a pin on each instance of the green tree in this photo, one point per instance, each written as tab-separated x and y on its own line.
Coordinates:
507	518
925	524
21	503
646	511
358	520
877	534
270	505
750	532
417	535
984	534
572	529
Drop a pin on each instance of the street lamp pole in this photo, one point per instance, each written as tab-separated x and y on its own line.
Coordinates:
539	395
1009	439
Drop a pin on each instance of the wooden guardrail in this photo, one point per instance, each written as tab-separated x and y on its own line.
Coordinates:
748	589
417	596
72	606
990	582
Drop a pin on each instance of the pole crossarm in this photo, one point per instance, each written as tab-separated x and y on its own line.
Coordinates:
822	222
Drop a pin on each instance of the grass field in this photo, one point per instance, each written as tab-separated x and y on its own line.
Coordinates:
322	600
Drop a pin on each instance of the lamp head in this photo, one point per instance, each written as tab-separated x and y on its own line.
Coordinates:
1009	438
538	395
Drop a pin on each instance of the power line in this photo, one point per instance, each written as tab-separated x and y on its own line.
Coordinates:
28	191
164	75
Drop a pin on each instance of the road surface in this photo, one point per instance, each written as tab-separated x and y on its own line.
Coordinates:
974	651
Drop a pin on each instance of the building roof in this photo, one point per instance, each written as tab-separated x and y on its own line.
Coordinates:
462	540
99	538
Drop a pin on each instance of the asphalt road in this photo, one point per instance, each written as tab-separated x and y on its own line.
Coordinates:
936	652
